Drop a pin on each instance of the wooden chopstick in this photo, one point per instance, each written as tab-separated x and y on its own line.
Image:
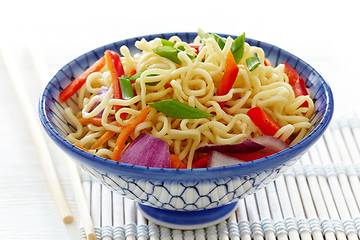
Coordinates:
41	66
37	134
80	199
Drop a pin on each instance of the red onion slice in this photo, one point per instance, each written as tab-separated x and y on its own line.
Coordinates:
217	159
102	92
271	144
246	146
148	151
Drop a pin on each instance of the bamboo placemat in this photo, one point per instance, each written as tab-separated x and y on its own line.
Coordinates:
317	198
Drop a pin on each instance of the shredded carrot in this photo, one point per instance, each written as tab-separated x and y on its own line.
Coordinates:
176	162
77	144
127	131
94	120
103	139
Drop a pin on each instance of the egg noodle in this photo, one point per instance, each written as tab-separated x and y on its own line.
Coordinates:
195	83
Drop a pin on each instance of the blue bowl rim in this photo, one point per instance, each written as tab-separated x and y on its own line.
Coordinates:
265	163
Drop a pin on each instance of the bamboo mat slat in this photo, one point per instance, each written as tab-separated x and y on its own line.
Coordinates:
317	198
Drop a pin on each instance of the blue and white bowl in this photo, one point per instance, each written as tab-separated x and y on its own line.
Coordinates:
183	198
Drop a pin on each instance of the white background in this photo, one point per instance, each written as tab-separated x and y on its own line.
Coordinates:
324	34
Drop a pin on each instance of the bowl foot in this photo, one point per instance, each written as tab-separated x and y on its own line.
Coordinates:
187	220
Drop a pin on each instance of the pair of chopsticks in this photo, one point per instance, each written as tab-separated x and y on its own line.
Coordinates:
41	145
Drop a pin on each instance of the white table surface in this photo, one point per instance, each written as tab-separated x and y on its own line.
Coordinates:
325	34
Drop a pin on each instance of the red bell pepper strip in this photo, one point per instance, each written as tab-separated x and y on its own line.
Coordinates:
266	124
291	73
296	82
229	77
196	47
77	83
266	62
116	69
119	69
300	88
201	162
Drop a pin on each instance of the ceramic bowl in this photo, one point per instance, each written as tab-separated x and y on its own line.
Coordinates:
183	198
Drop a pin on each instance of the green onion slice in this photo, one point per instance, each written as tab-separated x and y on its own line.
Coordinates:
126	88
152	75
167	43
237	47
252	63
203	34
135	76
178	110
170	53
138	74
171	44
220	40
